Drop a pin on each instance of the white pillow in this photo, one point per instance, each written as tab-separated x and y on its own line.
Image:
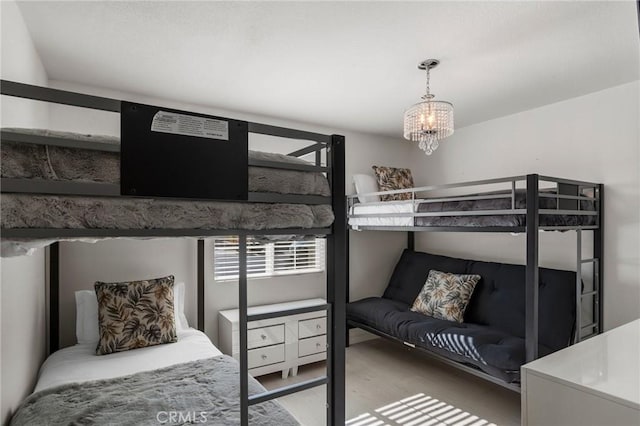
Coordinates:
178	307
87	317
87	331
365	184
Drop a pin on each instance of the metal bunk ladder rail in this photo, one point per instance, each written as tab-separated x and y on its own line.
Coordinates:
583	296
594	294
337	277
298	387
247	400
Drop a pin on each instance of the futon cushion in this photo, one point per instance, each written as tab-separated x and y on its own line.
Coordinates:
498	300
493	351
445	296
391	179
412	271
135	314
497	353
376	312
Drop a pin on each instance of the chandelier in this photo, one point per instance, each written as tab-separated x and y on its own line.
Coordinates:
429	121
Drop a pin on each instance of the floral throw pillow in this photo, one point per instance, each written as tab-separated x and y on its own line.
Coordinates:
135	314
445	296
390	179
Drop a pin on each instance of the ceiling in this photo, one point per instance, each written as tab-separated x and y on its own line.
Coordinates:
347	65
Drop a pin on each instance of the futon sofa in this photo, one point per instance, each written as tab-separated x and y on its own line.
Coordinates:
491	337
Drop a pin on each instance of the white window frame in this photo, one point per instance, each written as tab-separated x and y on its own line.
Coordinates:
270	271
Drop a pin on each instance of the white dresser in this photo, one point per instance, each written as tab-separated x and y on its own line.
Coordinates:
277	344
595	382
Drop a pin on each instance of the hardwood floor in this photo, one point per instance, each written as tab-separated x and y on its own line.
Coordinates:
388	384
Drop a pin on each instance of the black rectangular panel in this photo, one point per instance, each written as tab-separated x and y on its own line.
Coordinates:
181	154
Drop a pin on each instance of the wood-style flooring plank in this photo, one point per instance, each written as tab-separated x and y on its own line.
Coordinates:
415	390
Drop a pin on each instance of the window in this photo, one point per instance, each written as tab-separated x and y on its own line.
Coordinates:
267	259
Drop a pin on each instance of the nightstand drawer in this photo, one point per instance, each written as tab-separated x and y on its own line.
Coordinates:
312	345
312	327
265	356
265	336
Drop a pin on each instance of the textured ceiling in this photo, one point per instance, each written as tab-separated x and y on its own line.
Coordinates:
344	65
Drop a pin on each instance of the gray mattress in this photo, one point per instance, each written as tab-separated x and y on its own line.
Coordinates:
511	220
206	390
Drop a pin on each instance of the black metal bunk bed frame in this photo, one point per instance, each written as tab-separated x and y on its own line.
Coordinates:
568	195
336	267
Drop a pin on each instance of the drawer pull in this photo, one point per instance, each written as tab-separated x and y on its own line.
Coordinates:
312	327
264	356
265	336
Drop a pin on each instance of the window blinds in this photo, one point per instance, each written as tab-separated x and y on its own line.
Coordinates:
268	259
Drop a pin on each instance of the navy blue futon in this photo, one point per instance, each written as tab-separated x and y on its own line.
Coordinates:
491	337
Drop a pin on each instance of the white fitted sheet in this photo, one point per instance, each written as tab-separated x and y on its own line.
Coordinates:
407	206
80	363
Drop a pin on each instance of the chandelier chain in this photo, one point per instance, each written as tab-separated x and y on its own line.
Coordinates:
428	80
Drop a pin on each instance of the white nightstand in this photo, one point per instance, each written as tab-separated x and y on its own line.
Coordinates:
277	344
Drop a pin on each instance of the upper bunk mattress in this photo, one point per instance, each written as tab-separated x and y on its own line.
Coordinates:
77	212
404	209
30	161
45	211
501	220
383	208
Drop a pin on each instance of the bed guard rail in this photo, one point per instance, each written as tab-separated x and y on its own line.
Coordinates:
572	197
316	153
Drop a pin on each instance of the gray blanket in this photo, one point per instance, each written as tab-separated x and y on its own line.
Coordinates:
72	212
67	212
204	392
501	203
27	161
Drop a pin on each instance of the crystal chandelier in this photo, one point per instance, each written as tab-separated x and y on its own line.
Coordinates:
429	121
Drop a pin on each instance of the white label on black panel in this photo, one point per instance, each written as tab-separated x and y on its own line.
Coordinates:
190	125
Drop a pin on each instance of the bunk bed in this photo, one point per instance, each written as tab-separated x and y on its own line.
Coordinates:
519	204
178	174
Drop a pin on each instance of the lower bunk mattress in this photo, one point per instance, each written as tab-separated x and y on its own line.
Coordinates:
399	213
189	378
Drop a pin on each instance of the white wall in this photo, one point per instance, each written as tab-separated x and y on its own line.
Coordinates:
24	335
592	138
21	63
22	280
82	264
373	254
